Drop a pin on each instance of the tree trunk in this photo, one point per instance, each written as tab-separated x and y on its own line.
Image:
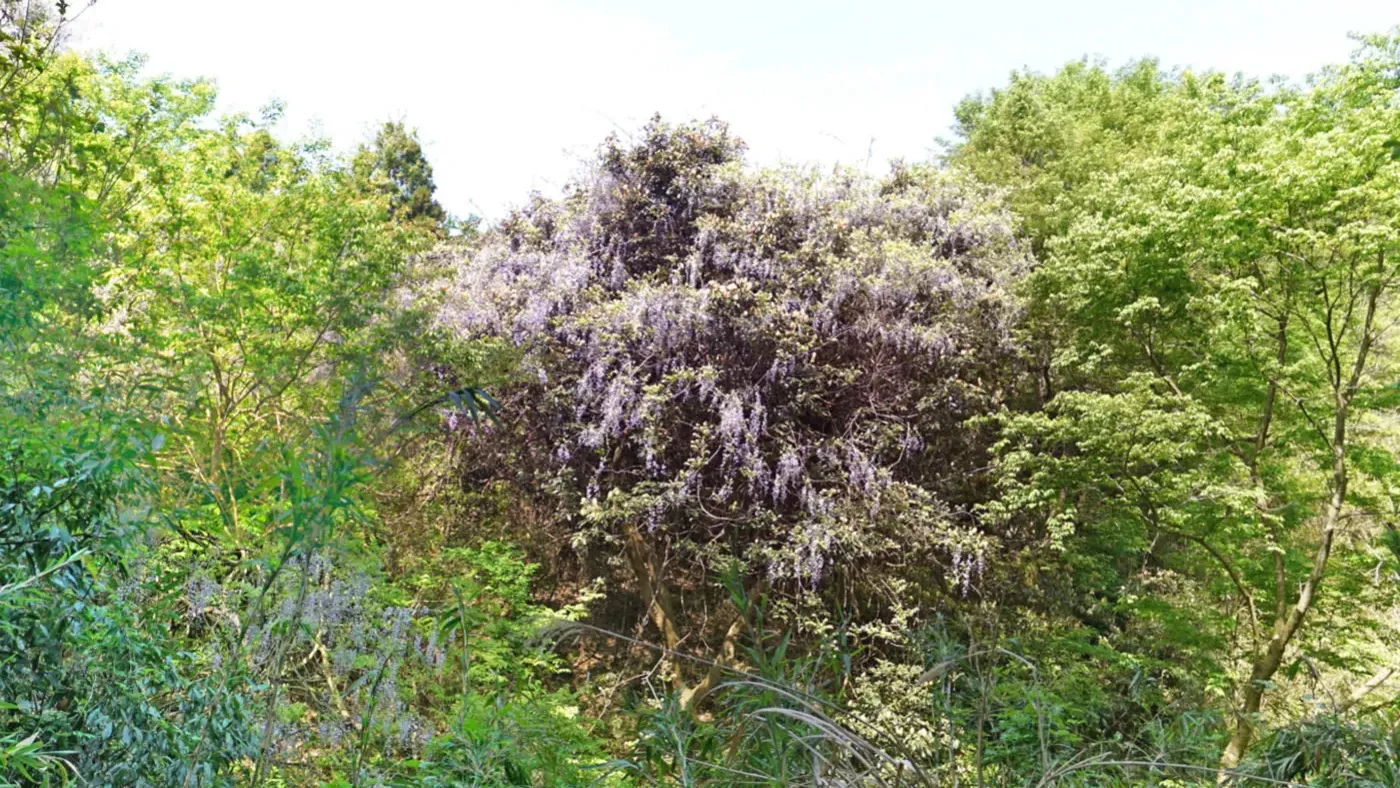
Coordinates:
1266	664
661	609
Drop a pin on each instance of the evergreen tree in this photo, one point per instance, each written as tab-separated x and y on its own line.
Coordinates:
394	166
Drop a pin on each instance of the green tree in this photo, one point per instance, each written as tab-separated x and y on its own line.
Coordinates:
182	301
80	660
1216	290
393	166
1048	137
259	275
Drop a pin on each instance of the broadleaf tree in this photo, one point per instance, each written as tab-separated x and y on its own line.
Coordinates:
1215	299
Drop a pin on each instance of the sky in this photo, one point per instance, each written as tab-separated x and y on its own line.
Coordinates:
509	96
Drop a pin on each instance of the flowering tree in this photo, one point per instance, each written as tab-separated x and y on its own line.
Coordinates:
763	372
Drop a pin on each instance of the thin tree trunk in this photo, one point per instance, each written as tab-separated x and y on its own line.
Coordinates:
1267	663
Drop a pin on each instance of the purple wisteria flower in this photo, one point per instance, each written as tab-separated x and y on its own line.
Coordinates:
764	355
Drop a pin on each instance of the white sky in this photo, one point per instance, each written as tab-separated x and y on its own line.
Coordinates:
509	95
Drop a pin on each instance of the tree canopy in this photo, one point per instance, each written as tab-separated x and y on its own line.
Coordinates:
1067	458
767	372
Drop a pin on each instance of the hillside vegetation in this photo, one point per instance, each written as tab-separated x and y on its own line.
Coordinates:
1067	458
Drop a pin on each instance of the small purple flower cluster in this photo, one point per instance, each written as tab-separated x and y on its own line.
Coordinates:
201	594
366	649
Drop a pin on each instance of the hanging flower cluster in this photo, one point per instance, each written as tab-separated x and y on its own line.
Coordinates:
777	366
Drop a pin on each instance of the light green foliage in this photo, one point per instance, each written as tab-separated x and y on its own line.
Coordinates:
488	602
1048	137
504	742
75	148
261	278
1215	291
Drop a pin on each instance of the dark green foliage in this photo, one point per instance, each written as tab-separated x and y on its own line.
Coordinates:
393	167
1328	750
88	665
503	742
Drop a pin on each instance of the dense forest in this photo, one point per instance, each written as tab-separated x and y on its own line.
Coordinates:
1065	458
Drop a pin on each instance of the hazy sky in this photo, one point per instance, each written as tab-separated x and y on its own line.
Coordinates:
509	95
